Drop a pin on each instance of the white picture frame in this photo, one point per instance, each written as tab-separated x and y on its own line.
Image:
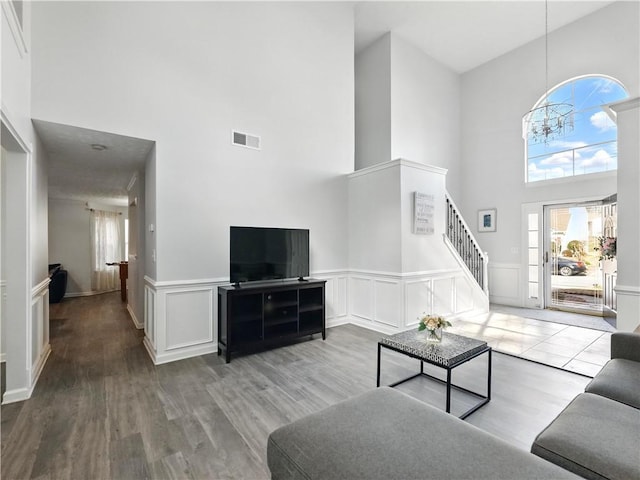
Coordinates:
487	220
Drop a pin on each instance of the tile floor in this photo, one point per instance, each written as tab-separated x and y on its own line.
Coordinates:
577	349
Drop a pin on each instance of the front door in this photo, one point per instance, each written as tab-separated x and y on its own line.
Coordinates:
572	267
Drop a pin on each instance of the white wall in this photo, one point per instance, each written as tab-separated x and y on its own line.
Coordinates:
628	282
3	275
150	195
184	74
373	104
407	106
137	253
497	94
425	111
374	234
25	223
70	241
395	274
194	71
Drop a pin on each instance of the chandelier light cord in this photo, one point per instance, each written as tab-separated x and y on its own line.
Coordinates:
547	121
546	47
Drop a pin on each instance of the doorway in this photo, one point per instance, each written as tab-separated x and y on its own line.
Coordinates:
579	277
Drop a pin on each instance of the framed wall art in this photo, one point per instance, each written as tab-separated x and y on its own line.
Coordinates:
487	220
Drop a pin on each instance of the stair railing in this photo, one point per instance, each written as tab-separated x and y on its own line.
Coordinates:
460	236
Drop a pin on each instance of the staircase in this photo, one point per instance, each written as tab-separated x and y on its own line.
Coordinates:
461	240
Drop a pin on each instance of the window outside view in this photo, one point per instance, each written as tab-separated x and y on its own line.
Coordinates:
592	145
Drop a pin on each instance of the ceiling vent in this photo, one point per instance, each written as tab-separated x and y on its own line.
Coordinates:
245	140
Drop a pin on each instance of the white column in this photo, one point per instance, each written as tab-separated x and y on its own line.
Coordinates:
628	247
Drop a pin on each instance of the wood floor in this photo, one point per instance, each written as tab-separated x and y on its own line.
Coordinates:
102	410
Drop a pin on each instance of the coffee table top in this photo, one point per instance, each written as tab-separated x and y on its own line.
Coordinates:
450	351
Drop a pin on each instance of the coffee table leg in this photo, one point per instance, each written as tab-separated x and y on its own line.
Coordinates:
378	374
448	410
489	377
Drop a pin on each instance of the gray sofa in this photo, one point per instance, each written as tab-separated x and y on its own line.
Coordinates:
596	436
386	434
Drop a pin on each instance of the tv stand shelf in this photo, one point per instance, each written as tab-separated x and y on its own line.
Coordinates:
262	315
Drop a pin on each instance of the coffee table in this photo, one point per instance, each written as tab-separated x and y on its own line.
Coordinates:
451	352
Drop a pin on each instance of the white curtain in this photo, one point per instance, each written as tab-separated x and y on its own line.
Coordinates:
106	247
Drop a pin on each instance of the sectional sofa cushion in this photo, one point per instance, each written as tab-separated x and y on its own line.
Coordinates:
595	437
385	434
618	380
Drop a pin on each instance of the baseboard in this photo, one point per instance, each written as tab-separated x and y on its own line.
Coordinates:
368	324
87	294
150	349
21	394
336	322
42	360
181	354
17	395
137	323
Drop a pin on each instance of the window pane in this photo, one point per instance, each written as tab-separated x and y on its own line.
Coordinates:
592	145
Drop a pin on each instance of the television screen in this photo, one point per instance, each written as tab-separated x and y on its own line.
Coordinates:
258	253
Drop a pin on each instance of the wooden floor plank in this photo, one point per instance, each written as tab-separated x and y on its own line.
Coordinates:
102	410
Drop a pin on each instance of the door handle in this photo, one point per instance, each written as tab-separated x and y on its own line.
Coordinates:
546	257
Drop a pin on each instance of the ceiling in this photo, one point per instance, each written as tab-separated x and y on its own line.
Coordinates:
459	34
465	34
79	172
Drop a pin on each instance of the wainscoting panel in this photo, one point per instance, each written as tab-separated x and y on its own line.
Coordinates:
180	318
391	303
504	283
388	302
464	294
339	305
361	298
189	318
3	306
150	315
38	331
628	300
419	298
443	295
335	298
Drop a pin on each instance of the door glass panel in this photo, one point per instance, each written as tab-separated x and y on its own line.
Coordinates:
574	265
533	275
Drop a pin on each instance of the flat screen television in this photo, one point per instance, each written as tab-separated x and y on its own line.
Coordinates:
259	254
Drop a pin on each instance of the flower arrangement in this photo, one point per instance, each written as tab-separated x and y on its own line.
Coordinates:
432	322
607	247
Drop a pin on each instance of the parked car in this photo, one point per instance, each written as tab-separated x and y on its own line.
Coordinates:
566	266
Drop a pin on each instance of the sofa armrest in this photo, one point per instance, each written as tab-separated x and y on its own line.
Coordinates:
625	345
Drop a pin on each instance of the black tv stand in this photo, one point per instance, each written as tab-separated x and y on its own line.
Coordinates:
264	315
302	279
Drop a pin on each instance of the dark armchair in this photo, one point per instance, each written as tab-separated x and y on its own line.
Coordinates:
58	283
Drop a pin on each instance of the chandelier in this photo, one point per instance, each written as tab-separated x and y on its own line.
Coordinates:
549	120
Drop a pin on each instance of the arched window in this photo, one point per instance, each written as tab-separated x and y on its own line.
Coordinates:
592	146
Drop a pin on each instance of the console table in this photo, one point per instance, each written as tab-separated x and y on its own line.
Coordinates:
257	316
451	352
